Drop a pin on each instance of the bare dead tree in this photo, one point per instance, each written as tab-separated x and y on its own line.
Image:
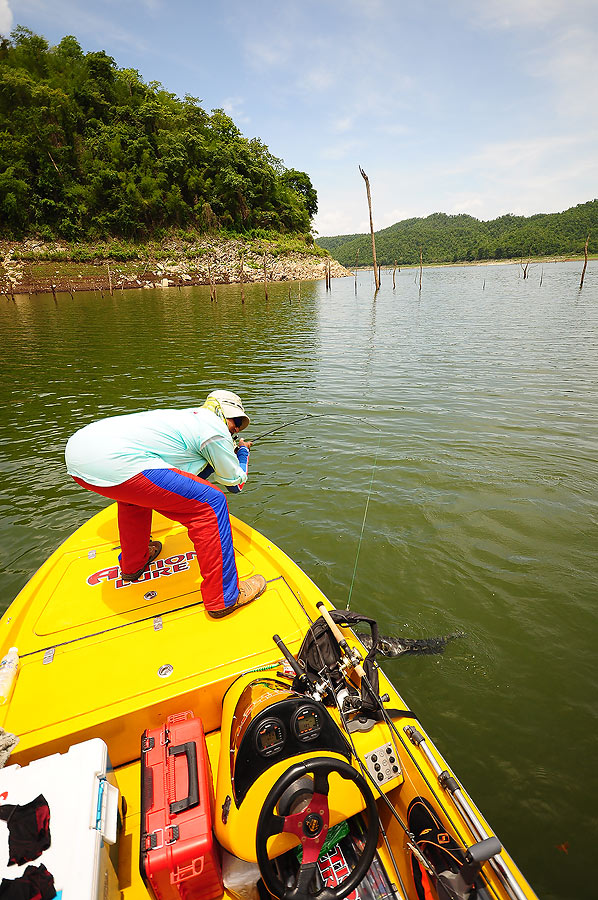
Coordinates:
241	276
585	265
367	187
265	277
213	295
421	266
393	275
525	266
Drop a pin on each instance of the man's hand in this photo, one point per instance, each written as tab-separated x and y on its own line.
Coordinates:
243	443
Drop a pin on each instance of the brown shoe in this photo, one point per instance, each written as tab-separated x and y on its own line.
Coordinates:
249	590
155	548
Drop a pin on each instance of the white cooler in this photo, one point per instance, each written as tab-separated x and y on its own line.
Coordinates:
83	800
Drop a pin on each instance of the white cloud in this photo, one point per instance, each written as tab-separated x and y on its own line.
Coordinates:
264	54
570	62
520	176
6	18
90	26
234	107
340	150
506	14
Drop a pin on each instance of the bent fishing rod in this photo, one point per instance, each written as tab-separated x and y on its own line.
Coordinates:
314	416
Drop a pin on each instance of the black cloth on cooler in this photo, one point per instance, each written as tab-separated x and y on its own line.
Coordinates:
28	829
36	883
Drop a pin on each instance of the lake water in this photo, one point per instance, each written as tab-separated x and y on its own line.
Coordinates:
465	413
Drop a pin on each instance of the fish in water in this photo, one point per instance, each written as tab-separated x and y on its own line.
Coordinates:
398	646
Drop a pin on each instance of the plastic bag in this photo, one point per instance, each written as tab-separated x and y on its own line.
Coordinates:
240	877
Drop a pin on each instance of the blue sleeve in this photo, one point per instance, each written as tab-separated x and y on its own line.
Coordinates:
243	460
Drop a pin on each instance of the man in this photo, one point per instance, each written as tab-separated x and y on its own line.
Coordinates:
154	460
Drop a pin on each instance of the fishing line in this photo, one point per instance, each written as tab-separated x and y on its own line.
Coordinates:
367	503
365	513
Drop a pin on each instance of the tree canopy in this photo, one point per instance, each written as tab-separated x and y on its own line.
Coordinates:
89	150
462	238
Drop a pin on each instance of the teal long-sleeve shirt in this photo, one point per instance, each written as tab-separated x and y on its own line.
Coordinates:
110	451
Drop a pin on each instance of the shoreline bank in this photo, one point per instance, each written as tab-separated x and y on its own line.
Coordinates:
34	267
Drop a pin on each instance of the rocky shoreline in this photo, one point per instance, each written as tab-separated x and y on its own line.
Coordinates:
33	266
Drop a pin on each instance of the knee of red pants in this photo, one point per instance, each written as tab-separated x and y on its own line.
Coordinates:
212	538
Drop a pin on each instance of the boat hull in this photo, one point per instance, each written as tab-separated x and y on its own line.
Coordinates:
102	658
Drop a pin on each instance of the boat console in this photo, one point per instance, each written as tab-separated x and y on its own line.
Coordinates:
267	729
272	723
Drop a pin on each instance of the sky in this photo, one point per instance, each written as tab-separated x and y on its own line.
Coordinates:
482	107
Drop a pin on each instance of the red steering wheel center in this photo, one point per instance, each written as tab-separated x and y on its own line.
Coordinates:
311	826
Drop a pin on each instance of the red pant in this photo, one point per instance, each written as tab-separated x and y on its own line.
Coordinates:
187	499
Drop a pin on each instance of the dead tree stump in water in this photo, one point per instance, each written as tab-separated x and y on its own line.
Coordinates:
585	265
367	187
265	278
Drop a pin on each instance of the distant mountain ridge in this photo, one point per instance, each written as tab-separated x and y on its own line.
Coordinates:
443	238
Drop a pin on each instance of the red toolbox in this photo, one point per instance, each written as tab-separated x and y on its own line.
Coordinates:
178	858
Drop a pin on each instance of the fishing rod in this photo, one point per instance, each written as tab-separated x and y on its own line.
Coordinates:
286	425
315	416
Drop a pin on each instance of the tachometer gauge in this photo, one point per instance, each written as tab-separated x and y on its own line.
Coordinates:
270	737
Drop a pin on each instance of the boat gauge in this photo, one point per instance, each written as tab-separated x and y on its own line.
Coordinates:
306	724
270	737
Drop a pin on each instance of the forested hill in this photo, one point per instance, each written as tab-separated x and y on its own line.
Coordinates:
443	238
88	150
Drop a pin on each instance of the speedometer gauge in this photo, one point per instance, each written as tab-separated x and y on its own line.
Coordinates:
270	737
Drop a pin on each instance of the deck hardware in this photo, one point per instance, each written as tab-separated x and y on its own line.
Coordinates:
91	554
150	595
48	656
165	670
383	764
158	623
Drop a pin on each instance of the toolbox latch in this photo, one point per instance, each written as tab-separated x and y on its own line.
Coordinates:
147	743
151	841
174	829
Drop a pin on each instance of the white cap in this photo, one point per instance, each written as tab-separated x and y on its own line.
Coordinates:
231	404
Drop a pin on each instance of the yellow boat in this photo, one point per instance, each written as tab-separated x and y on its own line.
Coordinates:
336	763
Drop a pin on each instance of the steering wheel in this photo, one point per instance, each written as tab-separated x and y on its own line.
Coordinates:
311	826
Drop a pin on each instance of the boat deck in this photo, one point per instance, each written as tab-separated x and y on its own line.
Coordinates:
96	652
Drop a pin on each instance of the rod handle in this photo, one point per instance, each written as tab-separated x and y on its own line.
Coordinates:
288	656
339	636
